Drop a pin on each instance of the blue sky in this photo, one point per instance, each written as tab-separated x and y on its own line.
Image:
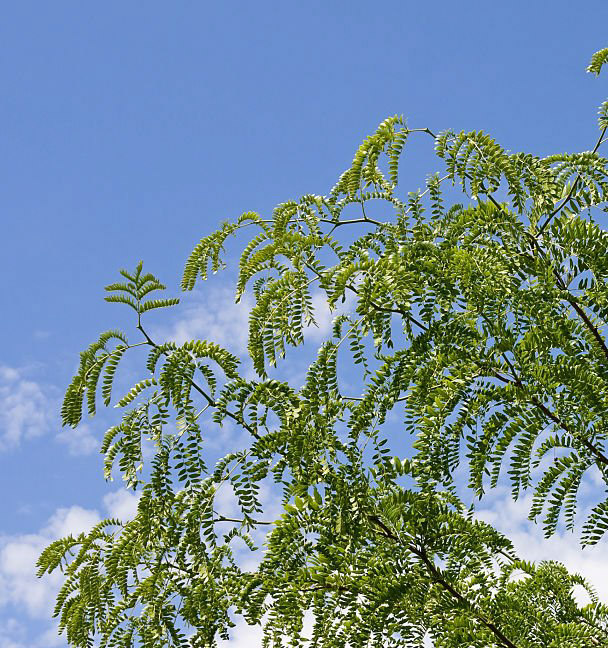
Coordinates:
129	130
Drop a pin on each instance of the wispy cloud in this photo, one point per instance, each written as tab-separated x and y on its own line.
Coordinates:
79	441
212	315
511	518
324	318
30	409
121	504
19	586
27	409
12	633
50	638
243	636
25	596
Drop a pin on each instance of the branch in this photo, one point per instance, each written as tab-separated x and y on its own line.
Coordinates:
204	394
558	421
438	577
581	313
600	456
221	518
572	188
571	299
397	311
517	382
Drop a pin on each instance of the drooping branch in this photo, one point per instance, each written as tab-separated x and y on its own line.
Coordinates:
556	211
210	400
437	576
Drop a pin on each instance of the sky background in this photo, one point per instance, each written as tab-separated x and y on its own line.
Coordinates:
130	129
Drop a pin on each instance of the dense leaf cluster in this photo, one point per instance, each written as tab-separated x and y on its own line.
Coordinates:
481	324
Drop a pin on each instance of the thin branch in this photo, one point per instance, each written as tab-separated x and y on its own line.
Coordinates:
517	382
600	456
204	394
542	228
428	131
359	398
221	518
439	578
397	311
351	221
571	299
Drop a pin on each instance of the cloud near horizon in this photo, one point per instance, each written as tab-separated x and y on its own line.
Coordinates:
511	518
21	591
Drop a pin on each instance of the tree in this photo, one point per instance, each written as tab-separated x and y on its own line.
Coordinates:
483	325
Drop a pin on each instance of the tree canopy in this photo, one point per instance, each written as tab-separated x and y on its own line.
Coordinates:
470	323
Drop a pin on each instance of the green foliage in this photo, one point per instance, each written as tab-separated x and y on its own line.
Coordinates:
480	327
598	60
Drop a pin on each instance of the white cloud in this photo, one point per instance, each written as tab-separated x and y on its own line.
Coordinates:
14	634
324	318
79	441
26	409
72	520
248	636
211	315
122	504
243	636
511	518
34	598
30	409
51	637
20	588
11	633
19	585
